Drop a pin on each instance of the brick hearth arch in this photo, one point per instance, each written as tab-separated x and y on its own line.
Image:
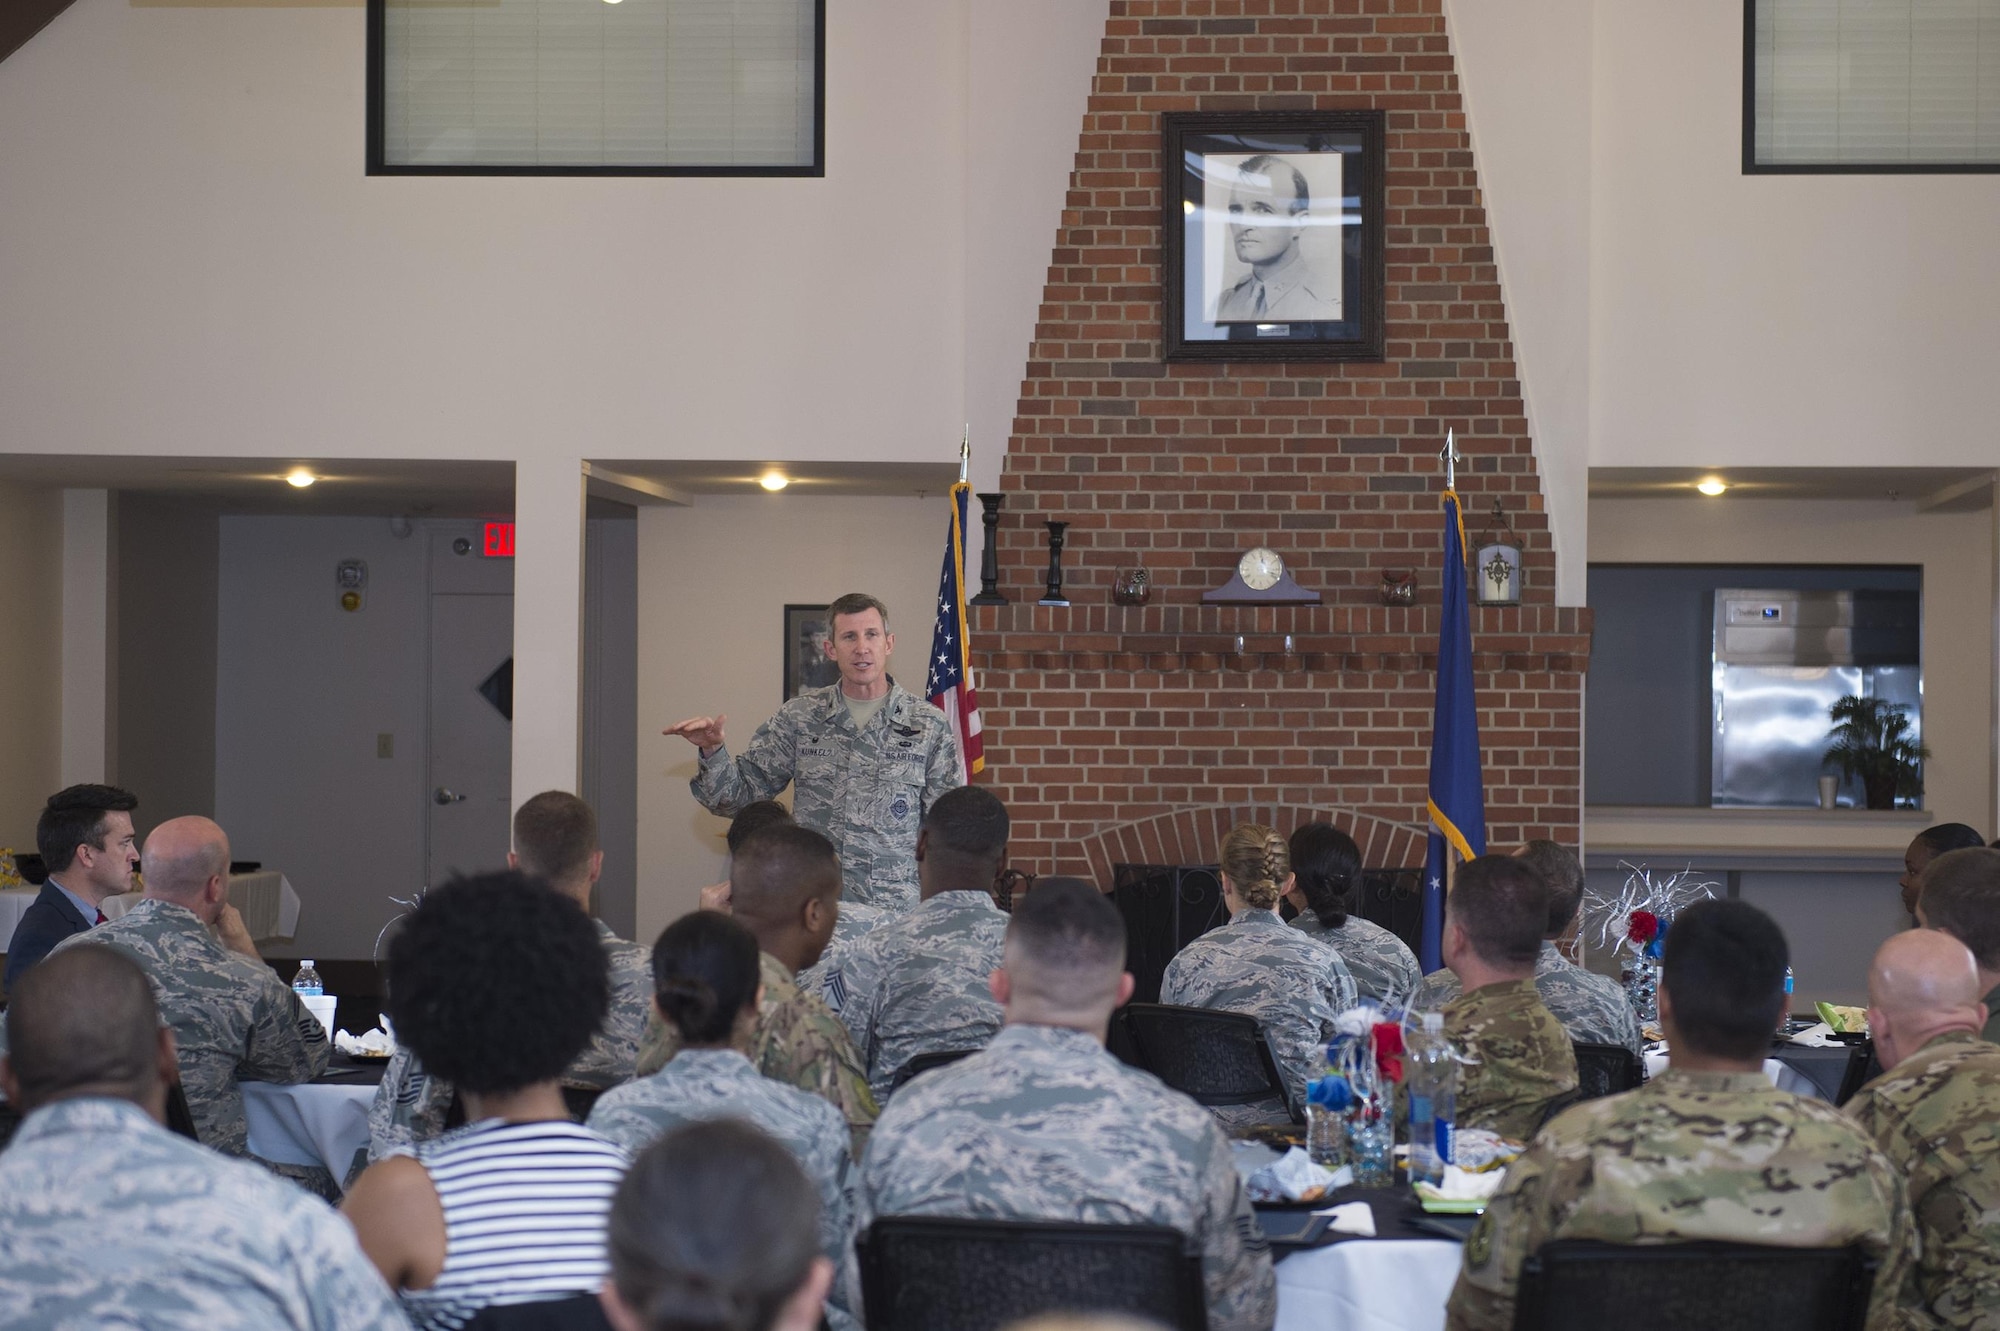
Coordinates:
1193	836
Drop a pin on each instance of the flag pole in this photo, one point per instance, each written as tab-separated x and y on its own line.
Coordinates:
965	456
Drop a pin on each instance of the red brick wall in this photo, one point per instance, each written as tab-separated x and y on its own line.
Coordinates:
1099	716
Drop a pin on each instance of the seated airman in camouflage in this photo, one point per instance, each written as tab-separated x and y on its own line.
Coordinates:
555	840
1256	965
1519	1059
1593	1008
107	1219
1708	1150
918	983
1936	1114
706	976
1044	1124
785	889
232	1017
1965	903
1326	886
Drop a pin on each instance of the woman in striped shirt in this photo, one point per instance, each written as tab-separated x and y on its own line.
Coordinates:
496	983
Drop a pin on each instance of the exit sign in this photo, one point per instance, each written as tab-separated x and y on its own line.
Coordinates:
499	540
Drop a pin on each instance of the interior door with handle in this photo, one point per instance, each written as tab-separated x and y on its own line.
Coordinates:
471	733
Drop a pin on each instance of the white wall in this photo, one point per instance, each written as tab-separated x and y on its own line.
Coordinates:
1956	551
302	689
31	665
713	583
1818	320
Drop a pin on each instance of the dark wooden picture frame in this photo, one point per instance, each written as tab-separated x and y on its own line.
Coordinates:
1309	289
807	666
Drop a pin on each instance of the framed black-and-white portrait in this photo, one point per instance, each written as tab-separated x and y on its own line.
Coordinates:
1272	235
807	666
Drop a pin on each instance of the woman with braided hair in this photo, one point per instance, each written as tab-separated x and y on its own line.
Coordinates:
715	1229
1258	965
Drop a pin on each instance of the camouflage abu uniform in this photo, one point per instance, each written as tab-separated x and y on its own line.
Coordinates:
1690	1156
107	1219
704	1084
232	1017
410	1104
1382	964
1258	965
1045	1125
1936	1115
1520	1058
918	984
866	789
798	1042
1593	1008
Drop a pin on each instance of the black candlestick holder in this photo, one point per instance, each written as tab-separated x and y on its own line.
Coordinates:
1053	593
989	555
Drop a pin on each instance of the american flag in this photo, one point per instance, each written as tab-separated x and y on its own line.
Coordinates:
950	686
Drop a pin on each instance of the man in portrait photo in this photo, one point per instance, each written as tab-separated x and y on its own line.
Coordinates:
1270	208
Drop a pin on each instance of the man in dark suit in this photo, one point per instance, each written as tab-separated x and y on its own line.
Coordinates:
85	838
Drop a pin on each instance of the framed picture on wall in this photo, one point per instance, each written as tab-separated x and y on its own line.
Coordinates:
807	665
1272	235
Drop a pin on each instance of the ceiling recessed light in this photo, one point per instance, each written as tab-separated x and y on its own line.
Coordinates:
1711	486
299	478
774	481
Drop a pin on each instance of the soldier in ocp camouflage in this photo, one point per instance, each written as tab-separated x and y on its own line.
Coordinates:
866	789
918	984
1690	1156
1382	965
798	1042
107	1219
1046	1125
1258	965
1593	1008
1519	1058
703	1084
233	1019
411	1105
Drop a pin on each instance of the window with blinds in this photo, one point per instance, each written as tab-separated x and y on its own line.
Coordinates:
595	87
1871	85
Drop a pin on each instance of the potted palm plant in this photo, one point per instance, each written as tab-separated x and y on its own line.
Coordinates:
1871	738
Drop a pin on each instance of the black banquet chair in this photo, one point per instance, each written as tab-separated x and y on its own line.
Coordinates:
1583	1285
1606	1069
922	1063
921	1273
578	1312
1214	1058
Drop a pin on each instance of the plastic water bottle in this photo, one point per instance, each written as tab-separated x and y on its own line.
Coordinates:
1788	984
1431	1085
306	984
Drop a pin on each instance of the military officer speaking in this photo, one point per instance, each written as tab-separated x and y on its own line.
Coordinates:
867	758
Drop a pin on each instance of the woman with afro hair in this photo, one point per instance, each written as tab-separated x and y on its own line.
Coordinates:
496	982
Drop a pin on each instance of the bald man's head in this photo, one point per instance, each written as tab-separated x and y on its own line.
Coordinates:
1923	983
83	1022
182	857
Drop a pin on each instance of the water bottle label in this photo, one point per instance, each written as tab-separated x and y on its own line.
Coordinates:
1442	1133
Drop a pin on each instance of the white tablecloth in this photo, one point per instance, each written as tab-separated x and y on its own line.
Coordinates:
1782	1077
1368	1285
14	903
309	1124
266	900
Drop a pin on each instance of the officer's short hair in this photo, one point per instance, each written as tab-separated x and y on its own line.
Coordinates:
1070	941
1562	874
1959	893
1503	906
74	816
714	1225
1269	167
555	834
970	820
754	817
1723	965
778	867
854	603
83	1017
497	982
